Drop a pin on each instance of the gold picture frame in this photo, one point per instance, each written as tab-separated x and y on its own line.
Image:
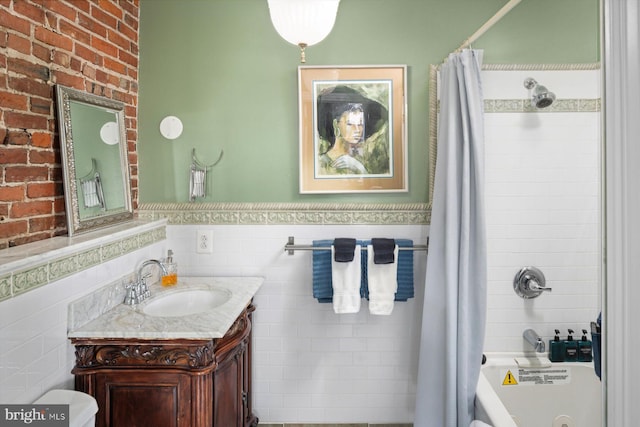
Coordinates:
353	129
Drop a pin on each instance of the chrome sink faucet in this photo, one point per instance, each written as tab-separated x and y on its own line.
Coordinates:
150	262
139	291
534	339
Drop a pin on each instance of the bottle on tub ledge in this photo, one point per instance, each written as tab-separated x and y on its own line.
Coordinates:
584	348
570	348
556	348
171	276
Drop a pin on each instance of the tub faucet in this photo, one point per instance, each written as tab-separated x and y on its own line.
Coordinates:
534	339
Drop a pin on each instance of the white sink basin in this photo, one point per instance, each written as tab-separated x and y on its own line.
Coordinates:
184	303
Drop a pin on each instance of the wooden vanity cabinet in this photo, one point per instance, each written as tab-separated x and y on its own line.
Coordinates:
169	383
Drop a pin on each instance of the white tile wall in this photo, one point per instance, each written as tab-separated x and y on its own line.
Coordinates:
311	365
543	208
35	354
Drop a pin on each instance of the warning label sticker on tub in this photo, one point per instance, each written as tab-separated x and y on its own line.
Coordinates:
509	379
544	376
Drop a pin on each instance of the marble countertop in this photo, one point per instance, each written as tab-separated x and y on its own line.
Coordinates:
125	321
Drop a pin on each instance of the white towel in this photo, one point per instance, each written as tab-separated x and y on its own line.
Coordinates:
90	193
476	423
383	283
345	277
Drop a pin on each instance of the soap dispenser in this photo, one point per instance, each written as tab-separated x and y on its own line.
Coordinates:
556	348
170	277
584	348
570	348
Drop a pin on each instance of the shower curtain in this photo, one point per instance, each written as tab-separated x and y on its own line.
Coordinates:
454	315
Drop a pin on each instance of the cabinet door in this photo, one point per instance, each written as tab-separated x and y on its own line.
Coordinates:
228	410
136	399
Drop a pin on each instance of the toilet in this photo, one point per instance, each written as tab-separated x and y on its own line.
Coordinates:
82	407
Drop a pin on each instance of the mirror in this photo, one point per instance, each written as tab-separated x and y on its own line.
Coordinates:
97	189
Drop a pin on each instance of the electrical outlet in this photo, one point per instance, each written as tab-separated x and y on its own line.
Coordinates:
204	242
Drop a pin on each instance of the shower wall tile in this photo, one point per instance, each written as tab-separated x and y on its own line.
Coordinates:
543	209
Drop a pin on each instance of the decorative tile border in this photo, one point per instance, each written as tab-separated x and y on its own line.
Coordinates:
558	106
89	258
24	280
584	66
27	280
63	267
5	287
524	106
286	213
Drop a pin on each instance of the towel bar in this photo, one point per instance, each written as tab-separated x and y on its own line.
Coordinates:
291	247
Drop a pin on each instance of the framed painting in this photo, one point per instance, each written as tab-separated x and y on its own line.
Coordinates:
353	130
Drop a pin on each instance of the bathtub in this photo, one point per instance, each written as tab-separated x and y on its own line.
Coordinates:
563	395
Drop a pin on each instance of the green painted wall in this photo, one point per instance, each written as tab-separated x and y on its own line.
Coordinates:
220	66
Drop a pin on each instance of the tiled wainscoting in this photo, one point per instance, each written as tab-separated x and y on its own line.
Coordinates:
310	364
39	280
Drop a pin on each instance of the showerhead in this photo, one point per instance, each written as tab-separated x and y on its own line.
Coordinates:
541	97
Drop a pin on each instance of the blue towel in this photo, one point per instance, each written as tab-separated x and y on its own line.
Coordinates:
322	286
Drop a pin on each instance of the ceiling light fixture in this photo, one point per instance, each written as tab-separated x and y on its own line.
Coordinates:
303	22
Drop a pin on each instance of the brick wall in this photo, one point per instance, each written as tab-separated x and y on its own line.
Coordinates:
91	45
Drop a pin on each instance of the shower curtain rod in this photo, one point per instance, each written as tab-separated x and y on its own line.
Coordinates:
490	23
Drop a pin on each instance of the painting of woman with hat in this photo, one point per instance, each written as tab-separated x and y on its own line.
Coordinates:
352	131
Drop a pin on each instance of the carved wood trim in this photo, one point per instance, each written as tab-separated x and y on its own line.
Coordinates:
197	356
